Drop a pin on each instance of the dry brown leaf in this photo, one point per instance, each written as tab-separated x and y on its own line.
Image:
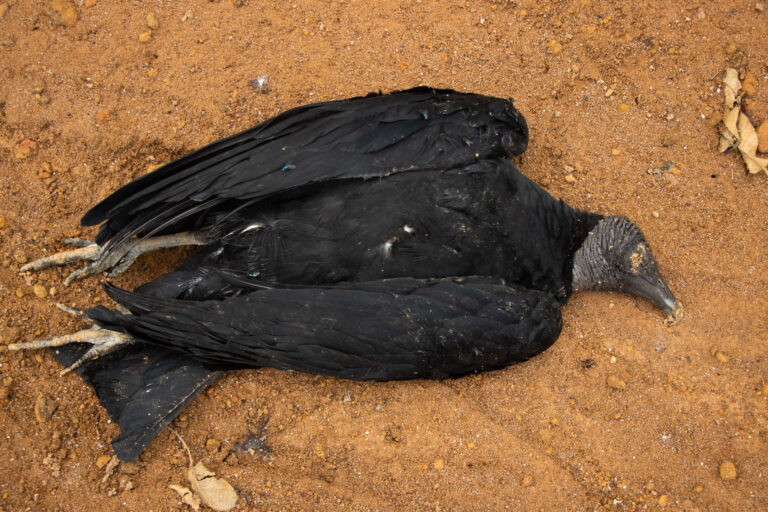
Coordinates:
729	134
748	147
217	493
187	496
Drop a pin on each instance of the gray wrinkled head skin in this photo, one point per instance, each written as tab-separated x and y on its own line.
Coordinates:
616	257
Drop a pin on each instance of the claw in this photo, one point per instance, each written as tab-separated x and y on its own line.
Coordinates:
114	260
81	273
80	313
103	341
86	253
79	242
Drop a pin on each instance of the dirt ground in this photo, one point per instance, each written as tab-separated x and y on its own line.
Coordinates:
622	413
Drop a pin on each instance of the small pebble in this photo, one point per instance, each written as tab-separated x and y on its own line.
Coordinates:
438	464
609	92
749	85
655	214
55	441
527	480
62	12
103	116
19	292
20	257
762	136
44	408
728	470
721	357
663	499
570	179
3	9
5	392
730	49
615	382
152	21
24	149
102	461
759	6
615	151
623	108
698	489
125	484
212	445
553	47
144	37
671	179
129	468
40	291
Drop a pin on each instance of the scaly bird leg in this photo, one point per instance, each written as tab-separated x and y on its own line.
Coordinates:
103	341
115	260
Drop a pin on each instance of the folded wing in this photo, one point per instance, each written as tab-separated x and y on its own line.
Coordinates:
366	137
391	329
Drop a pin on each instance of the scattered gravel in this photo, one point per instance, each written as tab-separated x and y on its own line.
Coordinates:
212	445
102	461
24	149
62	12
45	406
152	21
762	136
615	382
728	470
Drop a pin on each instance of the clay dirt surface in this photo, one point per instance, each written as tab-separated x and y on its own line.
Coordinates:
623	101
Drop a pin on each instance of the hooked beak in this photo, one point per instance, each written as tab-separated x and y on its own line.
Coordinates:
657	293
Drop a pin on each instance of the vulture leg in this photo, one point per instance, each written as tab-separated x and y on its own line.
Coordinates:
115	260
102	341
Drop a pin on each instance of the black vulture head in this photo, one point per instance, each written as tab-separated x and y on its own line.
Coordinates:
616	257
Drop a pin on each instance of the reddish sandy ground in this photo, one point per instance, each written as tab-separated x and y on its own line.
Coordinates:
623	99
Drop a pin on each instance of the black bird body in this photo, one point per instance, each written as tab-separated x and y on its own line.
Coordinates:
486	219
383	237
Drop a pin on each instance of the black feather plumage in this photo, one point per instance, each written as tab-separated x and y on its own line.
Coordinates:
380	237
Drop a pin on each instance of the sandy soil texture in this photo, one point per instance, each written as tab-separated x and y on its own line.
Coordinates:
622	413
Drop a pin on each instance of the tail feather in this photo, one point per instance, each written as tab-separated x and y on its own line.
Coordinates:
142	388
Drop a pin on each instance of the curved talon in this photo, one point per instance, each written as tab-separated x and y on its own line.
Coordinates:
87	253
80	313
79	242
81	273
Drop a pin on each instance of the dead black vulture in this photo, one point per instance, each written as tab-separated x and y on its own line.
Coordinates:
381	237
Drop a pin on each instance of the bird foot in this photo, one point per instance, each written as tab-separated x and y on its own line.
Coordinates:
114	260
103	341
